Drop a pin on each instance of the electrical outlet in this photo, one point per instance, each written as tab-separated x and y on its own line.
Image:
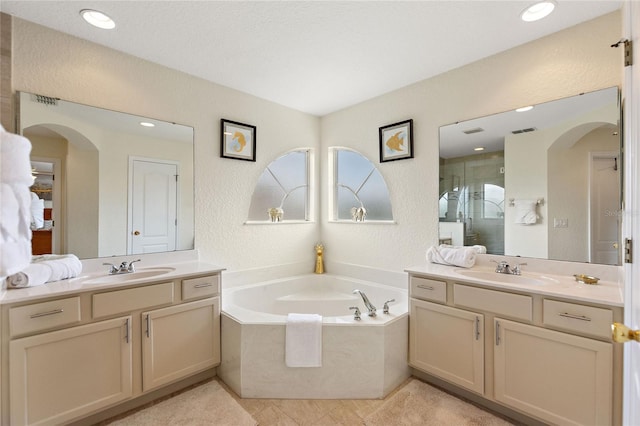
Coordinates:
560	223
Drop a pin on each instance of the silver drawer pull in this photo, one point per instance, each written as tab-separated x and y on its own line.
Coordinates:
203	285
572	316
425	287
44	314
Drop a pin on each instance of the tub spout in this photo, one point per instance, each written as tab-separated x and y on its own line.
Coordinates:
319	262
367	303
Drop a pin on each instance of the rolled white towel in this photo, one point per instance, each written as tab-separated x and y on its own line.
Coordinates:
463	257
44	269
478	248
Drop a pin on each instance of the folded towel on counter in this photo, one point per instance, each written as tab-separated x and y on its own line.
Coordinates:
44	269
478	248
464	257
525	212
303	340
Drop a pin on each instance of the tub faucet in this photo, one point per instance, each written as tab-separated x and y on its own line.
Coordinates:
367	303
319	262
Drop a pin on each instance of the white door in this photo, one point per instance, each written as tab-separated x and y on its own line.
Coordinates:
631	379
604	186
153	206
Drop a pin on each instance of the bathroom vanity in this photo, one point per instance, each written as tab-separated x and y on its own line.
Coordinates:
73	348
538	344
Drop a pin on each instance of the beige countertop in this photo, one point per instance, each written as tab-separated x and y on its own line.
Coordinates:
100	280
550	281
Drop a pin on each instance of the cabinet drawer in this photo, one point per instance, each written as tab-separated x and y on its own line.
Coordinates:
427	289
115	302
507	304
578	318
43	316
195	288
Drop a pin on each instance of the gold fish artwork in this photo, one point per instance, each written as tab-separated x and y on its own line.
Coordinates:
395	142
241	141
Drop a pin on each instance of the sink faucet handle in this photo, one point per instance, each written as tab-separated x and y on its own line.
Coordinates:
131	268
113	269
385	308
356	314
517	270
502	266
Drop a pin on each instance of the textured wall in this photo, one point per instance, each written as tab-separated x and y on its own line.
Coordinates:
55	64
572	61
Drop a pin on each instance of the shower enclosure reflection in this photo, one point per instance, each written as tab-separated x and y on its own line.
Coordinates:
564	153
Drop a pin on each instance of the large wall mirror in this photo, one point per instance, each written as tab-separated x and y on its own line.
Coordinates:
109	183
543	181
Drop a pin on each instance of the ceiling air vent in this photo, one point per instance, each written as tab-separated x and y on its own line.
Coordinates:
47	100
472	131
530	129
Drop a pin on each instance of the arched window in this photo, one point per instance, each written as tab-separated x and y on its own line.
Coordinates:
283	190
358	190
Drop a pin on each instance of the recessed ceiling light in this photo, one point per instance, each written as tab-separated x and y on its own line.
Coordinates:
97	19
147	124
480	148
538	11
525	109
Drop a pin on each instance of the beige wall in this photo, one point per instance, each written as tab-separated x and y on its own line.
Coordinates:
572	61
576	60
54	64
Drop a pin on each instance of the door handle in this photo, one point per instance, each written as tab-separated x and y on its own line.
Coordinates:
620	333
136	232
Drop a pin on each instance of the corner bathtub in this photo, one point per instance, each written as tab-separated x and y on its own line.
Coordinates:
360	359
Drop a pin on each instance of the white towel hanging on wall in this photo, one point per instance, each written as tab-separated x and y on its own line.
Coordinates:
526	212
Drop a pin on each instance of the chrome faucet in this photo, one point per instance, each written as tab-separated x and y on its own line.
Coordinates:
124	268
367	303
503	267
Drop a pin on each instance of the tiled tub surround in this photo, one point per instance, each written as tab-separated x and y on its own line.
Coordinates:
97	344
360	359
541	348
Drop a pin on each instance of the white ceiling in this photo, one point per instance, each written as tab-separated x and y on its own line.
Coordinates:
313	56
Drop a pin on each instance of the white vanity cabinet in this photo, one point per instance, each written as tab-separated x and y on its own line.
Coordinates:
60	375
70	357
179	340
558	377
448	342
541	356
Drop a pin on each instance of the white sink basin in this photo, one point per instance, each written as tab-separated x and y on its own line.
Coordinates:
133	276
506	278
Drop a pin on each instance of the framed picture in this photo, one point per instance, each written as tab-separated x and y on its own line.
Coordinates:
237	140
396	141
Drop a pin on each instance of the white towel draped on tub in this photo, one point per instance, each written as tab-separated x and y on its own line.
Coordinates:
303	340
526	212
464	257
44	269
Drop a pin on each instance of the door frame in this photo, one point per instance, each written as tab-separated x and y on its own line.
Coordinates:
594	155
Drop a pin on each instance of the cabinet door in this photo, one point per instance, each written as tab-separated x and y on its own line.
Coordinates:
58	376
448	343
180	340
558	377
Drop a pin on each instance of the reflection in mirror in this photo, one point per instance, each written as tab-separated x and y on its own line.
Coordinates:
119	188
283	191
542	182
359	191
